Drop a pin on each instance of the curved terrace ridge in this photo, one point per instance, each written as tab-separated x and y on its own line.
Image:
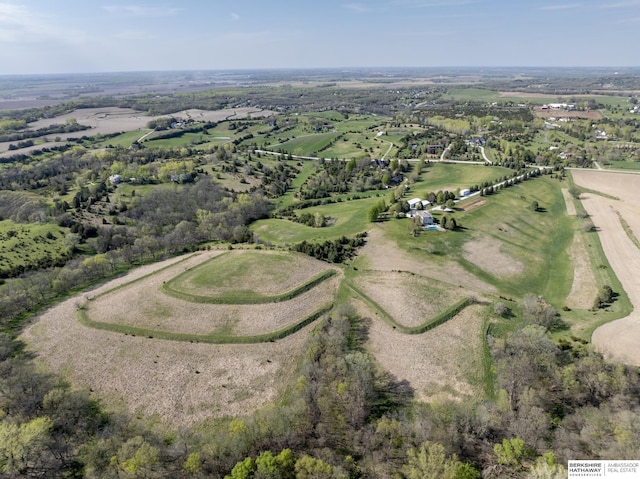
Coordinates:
246	296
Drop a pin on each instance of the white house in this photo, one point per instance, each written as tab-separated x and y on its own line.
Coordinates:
424	217
115	179
413	202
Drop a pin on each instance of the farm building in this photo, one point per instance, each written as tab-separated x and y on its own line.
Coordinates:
415	203
424	218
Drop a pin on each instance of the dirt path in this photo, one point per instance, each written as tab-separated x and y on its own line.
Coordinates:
584	287
568	201
620	339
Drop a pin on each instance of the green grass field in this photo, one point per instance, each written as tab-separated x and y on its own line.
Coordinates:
441	176
27	246
537	240
125	139
249	278
351	218
307	145
622	165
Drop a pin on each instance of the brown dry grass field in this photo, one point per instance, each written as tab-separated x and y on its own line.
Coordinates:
488	256
410	299
473	204
444	361
438	364
181	383
395	259
620	339
584	287
185	383
109	120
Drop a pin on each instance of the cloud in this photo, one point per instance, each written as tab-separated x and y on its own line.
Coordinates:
356	7
134	36
623	4
235	17
16	22
19	24
140	11
564	6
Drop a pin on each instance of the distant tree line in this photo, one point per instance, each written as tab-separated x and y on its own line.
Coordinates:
69	127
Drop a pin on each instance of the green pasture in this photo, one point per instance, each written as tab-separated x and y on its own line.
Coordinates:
308	144
238	275
199	139
27	246
621	165
441	176
347	147
125	139
350	219
361	123
455	125
538	240
614	102
247	296
308	168
127	192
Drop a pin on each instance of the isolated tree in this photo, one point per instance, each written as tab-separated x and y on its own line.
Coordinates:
499	309
605	296
308	467
588	226
430	461
453	224
373	213
575	192
534	206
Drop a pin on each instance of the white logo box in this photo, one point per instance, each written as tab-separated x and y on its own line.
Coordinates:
610	469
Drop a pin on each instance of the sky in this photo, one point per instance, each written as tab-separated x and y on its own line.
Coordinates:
84	36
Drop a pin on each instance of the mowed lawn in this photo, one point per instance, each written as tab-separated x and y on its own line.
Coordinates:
308	144
350	219
450	176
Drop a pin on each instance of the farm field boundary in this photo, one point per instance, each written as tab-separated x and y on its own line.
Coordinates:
437	320
247	299
83	318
